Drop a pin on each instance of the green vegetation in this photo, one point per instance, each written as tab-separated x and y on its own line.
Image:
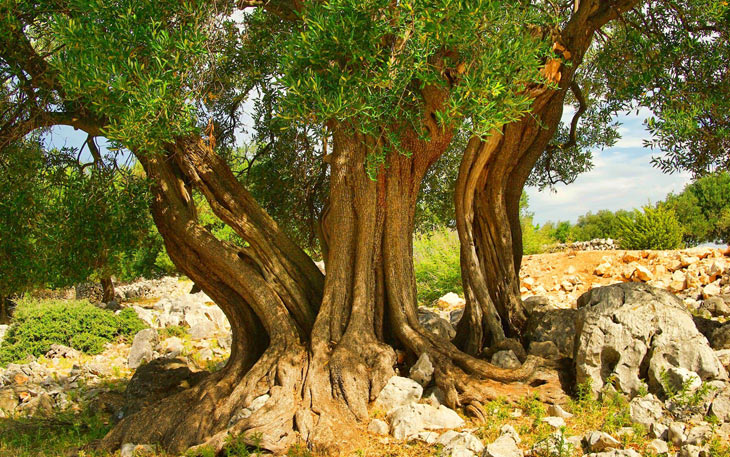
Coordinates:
51	436
64	223
703	209
436	264
78	324
685	400
652	228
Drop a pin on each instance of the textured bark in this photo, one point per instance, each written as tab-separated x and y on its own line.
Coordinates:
491	178
107	289
322	350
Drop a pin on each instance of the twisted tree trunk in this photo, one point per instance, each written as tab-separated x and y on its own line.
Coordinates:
491	178
322	348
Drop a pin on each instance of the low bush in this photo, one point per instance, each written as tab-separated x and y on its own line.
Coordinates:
78	324
652	228
436	264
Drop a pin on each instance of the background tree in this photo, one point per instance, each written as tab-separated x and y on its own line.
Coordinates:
65	222
703	209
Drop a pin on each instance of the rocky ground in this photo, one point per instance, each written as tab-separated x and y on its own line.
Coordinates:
650	355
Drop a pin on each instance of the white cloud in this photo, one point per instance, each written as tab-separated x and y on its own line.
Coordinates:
622	178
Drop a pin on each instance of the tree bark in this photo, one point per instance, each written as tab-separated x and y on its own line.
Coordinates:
107	289
322	348
491	178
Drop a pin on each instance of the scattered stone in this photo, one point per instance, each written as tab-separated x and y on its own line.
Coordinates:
657	446
504	446
407	421
699	435
136	450
422	370
659	431
555	422
720	407
397	392
379	427
616	453
506	359
599	441
641	274
558	411
692	451
675	434
142	349
645	410
510	431
679	378
450	300
711	290
61	351
435	323
460	443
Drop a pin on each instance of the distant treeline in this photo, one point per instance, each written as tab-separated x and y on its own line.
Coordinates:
699	214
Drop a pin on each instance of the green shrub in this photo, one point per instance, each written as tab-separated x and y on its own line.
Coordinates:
436	264
78	324
654	228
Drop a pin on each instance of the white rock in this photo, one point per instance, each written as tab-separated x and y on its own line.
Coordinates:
450	300
626	325
558	411
422	370
397	392
599	441
711	290
142	349
676	433
379	427
453	440
657	446
616	453
555	422
658	430
504	446
510	431
407	421
645	410
678	377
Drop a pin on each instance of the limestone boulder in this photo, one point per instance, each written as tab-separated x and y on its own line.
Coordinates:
422	370
143	347
556	326
407	421
436	324
624	330
398	391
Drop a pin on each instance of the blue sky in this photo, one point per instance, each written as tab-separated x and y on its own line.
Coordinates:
622	176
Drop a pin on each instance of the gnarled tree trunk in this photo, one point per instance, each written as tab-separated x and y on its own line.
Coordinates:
491	178
322	348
